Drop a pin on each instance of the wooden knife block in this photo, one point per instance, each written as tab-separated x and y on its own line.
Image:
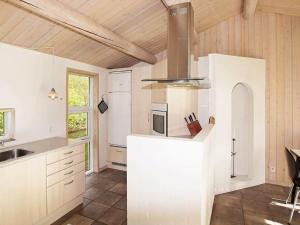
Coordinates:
194	127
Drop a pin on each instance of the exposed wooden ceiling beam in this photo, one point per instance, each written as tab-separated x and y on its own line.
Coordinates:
62	14
175	2
249	8
165	3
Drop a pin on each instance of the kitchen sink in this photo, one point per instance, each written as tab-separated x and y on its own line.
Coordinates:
13	154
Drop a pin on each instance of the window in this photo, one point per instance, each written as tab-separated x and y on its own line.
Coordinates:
80	95
7	117
2	121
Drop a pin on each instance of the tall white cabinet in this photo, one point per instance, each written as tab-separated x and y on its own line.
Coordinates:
119	116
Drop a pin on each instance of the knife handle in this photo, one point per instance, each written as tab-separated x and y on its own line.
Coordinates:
194	116
186	120
191	118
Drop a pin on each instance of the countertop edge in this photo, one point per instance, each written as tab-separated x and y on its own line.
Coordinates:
31	146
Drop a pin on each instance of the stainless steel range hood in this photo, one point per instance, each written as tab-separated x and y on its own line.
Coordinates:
180	48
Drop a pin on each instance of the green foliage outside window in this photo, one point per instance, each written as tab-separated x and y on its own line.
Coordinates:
77	125
78	90
2	124
78	96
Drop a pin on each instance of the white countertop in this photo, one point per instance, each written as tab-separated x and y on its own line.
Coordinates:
40	147
200	137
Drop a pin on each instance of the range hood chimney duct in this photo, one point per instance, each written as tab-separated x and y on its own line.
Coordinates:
180	50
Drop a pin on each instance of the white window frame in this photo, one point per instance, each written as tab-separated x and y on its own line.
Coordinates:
9	123
89	110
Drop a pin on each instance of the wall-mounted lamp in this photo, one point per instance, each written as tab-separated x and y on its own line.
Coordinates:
53	94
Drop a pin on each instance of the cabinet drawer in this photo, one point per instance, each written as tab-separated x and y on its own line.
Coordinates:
53	157
59	176
74	187
63	164
65	191
118	155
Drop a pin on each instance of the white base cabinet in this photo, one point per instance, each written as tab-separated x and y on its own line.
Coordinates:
23	192
41	189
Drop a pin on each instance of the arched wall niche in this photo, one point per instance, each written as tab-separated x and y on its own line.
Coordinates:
242	130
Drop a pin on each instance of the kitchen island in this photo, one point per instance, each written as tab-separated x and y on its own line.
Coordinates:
170	180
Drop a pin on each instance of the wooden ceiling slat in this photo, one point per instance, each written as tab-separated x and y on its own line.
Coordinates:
143	22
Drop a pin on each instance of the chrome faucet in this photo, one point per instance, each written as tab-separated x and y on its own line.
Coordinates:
2	142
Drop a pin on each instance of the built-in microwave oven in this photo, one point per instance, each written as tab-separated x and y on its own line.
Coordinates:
159	119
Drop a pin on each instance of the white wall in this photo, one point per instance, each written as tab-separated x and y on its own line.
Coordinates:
25	79
170	180
226	72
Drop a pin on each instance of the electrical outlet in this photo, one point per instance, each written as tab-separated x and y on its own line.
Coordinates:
272	169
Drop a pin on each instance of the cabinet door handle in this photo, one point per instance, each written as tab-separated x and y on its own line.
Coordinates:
68	163
68	153
69	182
69	173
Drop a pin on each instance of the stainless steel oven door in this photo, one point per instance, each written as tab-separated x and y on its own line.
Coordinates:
159	123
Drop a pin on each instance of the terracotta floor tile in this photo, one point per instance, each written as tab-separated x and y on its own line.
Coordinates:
105	184
253	195
108	198
98	223
236	194
228	214
114	217
217	221
109	173
256	207
122	204
120	189
92	193
255	218
93	210
119	179
105	201
78	220
273	189
227	200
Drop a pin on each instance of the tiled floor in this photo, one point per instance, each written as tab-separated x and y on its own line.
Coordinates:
105	201
105	204
252	206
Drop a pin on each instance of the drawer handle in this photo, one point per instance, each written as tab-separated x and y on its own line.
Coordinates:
68	153
68	163
69	173
69	182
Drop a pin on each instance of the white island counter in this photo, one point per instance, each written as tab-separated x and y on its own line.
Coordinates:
170	180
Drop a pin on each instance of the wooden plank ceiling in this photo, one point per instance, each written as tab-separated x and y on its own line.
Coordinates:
143	22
